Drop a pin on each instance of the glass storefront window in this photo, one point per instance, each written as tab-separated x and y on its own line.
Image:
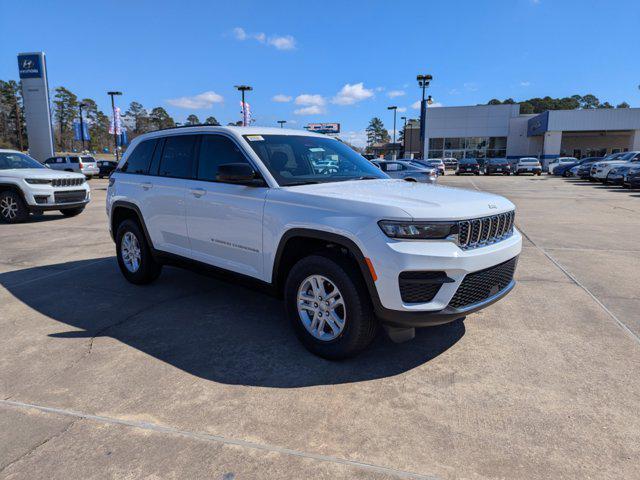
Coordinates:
453	143
469	147
436	143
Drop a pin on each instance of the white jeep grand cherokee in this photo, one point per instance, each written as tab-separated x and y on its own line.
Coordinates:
345	245
27	186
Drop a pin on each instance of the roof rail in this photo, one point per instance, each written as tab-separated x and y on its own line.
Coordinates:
186	126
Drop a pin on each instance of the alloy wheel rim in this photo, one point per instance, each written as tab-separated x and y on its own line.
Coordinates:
130	252
321	308
9	208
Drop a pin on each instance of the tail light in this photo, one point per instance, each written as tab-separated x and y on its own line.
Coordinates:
81	165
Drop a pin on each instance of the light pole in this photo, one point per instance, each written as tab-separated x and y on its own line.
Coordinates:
423	82
282	122
404	136
80	105
395	109
242	89
115	134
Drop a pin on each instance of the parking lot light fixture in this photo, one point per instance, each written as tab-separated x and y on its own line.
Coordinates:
423	83
282	122
242	89
115	134
395	110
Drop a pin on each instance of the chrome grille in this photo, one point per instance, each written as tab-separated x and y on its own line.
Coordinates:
485	231
66	182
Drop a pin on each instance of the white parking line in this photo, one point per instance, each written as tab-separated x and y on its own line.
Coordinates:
220	439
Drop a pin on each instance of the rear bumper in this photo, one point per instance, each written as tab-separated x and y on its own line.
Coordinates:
533	171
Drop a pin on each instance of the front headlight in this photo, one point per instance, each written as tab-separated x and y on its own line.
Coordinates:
418	230
37	181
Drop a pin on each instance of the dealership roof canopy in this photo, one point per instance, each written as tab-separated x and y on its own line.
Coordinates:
602	119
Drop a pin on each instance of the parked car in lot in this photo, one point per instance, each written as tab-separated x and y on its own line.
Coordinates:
584	170
600	170
617	174
468	165
450	163
559	161
346	248
409	171
564	170
84	164
436	163
527	165
106	167
500	166
632	178
27	186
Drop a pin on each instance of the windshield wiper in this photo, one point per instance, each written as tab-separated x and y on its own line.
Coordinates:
302	182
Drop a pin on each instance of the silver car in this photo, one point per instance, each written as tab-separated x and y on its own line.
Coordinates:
407	171
84	164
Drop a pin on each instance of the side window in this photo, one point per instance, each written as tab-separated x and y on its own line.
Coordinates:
394	167
216	150
138	161
177	156
49	161
74	159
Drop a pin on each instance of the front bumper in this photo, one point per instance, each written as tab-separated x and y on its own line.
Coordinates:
43	197
398	256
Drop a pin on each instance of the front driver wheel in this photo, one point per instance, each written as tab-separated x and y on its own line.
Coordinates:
329	307
12	208
134	254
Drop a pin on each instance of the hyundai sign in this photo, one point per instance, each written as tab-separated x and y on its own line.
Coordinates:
32	68
29	66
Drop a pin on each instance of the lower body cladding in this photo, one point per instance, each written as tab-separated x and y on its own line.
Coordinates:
429	283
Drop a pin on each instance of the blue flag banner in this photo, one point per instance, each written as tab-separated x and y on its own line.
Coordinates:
123	139
76	132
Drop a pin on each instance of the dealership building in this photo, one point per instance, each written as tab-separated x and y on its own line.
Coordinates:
487	131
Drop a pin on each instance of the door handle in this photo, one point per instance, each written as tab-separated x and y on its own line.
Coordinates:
198	192
147	185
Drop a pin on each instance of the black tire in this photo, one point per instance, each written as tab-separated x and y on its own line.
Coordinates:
72	212
360	325
457	173
12	207
148	269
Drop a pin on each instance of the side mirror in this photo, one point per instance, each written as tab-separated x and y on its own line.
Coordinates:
46	165
238	173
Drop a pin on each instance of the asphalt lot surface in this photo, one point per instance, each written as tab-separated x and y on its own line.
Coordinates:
192	377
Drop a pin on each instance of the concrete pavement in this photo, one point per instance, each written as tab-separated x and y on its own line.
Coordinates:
192	377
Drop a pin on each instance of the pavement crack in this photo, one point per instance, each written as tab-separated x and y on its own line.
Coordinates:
64	430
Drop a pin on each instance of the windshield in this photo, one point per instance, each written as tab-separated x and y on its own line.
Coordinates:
10	160
627	156
299	159
88	159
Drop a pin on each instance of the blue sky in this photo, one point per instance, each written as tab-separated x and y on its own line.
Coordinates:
328	61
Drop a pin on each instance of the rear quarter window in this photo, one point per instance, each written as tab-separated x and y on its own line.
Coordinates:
139	160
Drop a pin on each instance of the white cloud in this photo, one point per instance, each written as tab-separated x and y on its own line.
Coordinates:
357	138
286	42
396	93
525	83
471	86
200	101
310	110
239	33
416	105
454	91
535	2
350	94
310	99
402	109
379	89
280	98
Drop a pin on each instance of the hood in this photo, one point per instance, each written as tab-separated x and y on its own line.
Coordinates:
38	173
609	162
419	201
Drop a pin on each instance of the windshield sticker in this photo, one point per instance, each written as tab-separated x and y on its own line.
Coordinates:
255	138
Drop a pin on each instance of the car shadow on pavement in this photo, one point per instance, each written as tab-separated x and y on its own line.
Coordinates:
216	330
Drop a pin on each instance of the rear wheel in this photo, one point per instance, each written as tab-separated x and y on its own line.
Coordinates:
329	306
134	254
12	207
